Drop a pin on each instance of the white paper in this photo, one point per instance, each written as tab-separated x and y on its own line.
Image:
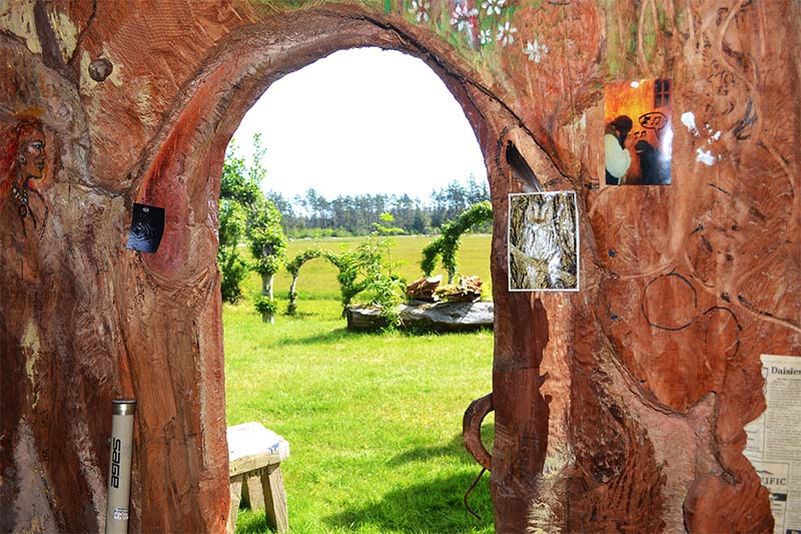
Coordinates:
774	440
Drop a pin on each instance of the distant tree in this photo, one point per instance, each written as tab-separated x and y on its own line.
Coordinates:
268	246
421	222
247	215
448	203
231	231
284	206
403	209
312	214
386	225
476	192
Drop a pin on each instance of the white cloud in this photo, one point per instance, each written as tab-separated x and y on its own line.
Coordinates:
362	121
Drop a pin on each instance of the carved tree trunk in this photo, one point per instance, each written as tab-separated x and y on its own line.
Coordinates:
620	407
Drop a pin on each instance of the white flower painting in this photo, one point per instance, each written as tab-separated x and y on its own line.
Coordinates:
462	17
506	33
535	51
492	6
420	9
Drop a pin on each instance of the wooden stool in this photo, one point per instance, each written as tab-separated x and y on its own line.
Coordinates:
254	457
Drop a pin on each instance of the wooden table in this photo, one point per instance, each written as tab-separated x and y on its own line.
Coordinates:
255	455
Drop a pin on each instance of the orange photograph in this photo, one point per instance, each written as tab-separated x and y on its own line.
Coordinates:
638	134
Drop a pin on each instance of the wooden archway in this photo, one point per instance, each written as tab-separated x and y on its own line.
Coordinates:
184	172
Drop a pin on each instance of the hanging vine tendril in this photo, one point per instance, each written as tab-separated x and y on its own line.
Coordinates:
446	245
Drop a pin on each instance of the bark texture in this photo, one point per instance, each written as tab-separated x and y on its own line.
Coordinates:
620	407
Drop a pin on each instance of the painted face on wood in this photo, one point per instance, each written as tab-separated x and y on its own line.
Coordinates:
31	155
29	162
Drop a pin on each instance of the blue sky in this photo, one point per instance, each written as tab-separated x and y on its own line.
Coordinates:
362	121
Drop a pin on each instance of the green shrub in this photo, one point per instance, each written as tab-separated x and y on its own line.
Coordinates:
233	270
265	305
367	272
386	226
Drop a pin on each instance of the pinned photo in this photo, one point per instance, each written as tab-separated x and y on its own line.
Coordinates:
147	227
638	137
543	242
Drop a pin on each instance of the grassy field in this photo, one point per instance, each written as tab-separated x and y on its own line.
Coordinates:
373	420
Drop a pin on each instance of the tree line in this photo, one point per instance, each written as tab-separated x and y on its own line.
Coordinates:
314	215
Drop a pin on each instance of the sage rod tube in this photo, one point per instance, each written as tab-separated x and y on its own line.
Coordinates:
119	481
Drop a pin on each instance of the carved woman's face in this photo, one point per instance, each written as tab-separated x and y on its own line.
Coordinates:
31	156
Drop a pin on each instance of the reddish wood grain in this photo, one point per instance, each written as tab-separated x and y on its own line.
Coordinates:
617	408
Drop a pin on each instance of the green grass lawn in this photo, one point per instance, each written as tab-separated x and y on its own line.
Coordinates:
373	420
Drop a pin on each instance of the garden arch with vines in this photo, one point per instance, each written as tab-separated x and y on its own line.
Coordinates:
363	270
293	267
444	246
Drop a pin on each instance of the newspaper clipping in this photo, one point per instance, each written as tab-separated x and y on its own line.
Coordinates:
774	441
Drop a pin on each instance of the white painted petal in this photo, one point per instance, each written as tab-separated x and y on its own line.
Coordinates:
688	120
705	157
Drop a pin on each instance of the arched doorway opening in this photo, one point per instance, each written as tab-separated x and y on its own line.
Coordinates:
186	159
372	419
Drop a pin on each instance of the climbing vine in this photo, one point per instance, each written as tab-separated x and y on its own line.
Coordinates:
446	245
294	269
364	271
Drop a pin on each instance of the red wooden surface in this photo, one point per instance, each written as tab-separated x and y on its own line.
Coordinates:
620	407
